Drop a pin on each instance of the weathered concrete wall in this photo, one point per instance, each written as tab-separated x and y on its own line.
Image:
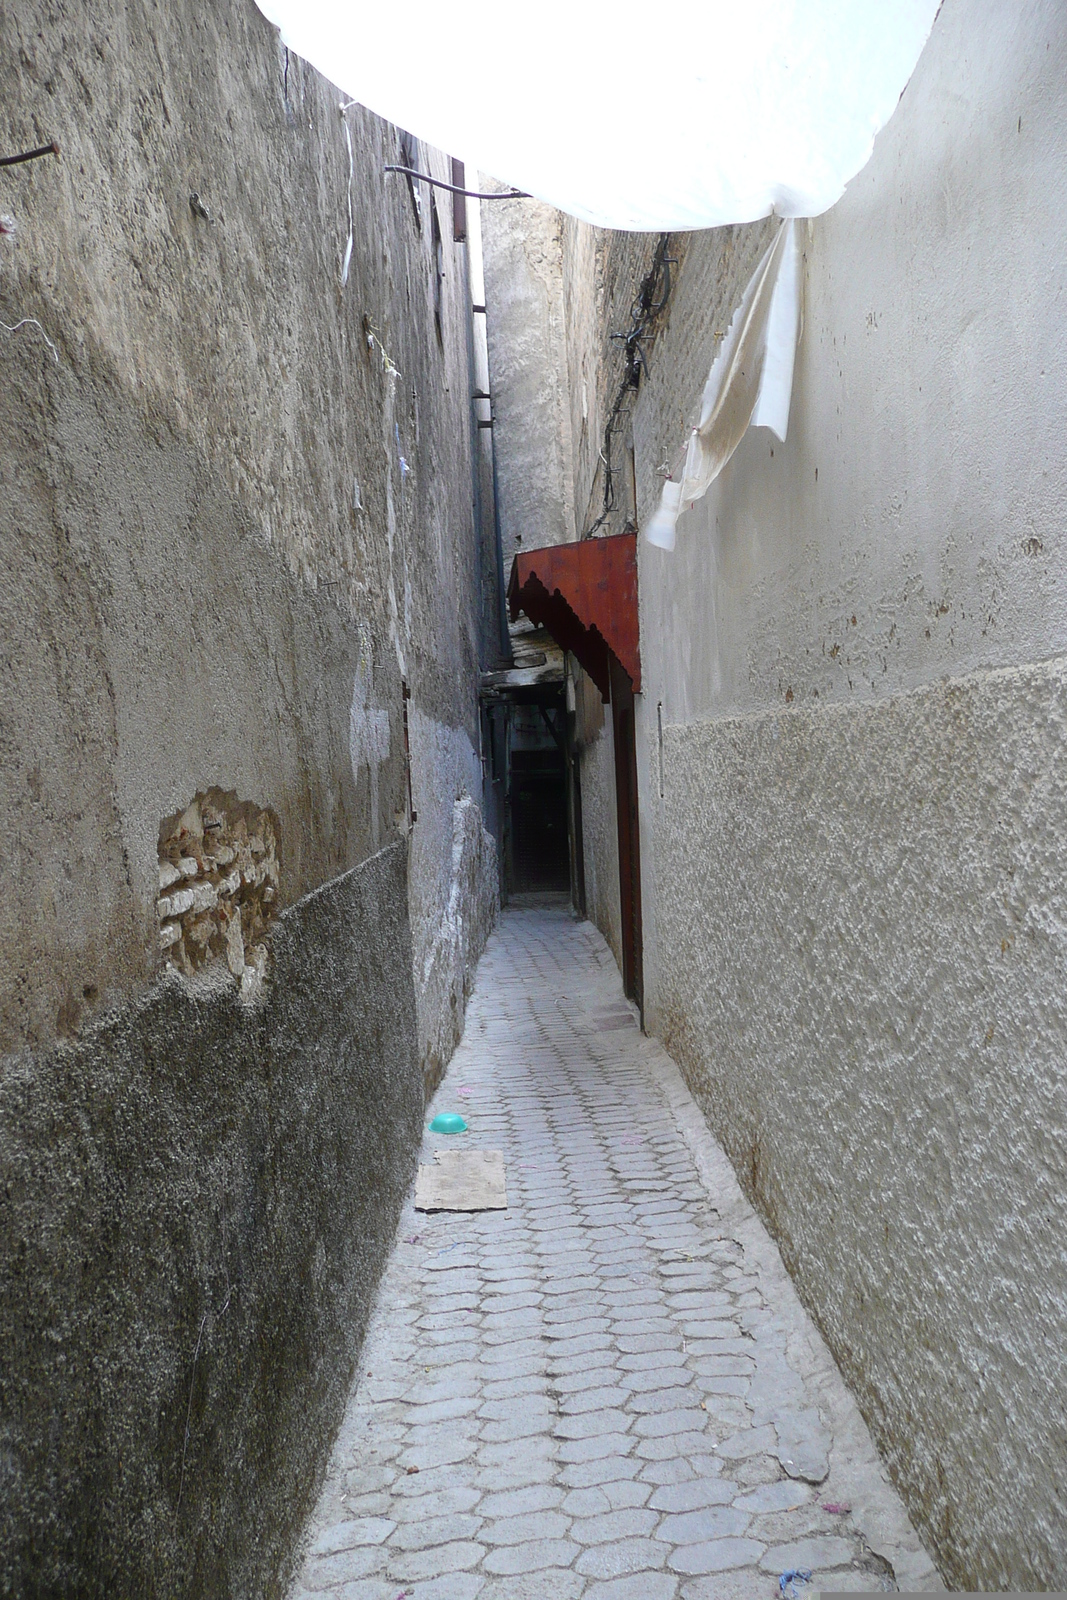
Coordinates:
237	515
854	935
527	365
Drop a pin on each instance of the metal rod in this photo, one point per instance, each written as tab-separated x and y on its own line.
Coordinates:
438	183
30	155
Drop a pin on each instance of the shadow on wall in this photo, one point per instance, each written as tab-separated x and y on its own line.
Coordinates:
201	1195
451	960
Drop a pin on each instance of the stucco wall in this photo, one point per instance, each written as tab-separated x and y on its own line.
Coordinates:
199	1198
522	242
237	515
854	935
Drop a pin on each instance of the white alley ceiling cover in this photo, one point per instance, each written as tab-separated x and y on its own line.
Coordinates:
646	117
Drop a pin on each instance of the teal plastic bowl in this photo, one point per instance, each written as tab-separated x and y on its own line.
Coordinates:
448	1122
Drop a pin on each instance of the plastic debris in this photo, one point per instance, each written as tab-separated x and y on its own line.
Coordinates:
836	1508
788	1580
448	1122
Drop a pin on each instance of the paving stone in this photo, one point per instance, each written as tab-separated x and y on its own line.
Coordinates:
355	1531
547	1583
718	1555
602	1356
367	1589
441	1410
697	1527
615	1560
654	1401
452	1557
640	1586
647	1379
521	1529
327	1572
593	1400
457	1586
602	1469
654	1360
517	1502
750	1442
694	1494
783	1496
744	1583
587	1380
808	1554
604	1444
533	1557
665	1423
629	1522
592	1424
515	1388
452	1500
433	1531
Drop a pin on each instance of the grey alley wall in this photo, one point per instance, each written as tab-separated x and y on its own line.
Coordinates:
242	621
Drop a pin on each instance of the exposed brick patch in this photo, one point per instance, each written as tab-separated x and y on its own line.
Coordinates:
218	885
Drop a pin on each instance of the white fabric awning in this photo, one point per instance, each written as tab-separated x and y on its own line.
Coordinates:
645	118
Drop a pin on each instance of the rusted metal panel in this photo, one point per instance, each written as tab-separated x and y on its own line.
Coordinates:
585	594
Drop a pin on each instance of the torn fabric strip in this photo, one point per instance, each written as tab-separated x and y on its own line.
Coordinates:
749	385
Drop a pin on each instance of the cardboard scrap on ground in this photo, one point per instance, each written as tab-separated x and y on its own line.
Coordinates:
462	1180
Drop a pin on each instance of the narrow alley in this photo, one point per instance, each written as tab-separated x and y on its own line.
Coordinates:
535	592
610	1389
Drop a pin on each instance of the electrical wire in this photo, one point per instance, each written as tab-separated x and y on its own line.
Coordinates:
649	302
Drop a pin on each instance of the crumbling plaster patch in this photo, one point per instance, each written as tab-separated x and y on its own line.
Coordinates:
218	887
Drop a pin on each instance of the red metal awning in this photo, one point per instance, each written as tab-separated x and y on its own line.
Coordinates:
585	594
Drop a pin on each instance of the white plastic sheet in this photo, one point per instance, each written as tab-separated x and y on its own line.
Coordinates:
647	118
750	382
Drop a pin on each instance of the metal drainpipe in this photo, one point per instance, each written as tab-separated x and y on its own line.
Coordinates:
476	282
505	635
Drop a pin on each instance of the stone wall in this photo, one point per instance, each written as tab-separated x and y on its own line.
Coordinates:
243	567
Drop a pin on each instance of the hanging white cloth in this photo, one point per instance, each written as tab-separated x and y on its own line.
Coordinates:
750	382
708	113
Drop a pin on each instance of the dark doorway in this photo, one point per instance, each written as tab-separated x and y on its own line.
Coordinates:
540	854
622	722
537	803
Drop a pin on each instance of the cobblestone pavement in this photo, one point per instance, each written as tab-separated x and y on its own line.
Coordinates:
610	1390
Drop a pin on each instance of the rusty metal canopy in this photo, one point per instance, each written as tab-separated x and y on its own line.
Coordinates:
585	594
